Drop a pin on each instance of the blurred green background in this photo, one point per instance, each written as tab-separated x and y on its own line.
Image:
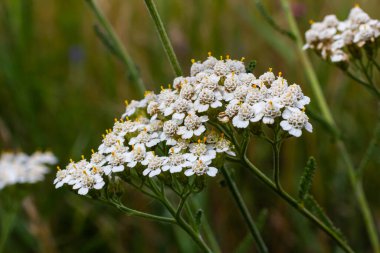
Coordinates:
60	89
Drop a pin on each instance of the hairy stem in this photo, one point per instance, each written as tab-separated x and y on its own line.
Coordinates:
138	84
163	37
299	207
261	247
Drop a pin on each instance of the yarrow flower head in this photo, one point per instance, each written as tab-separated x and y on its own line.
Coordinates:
337	41
186	129
20	168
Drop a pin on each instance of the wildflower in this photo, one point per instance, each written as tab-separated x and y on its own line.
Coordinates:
21	168
154	164
135	156
294	121
176	163
192	126
200	168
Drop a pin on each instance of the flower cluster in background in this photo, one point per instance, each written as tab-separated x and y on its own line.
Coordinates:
176	130
336	40
20	168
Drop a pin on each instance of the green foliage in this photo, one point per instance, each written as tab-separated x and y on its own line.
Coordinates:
307	179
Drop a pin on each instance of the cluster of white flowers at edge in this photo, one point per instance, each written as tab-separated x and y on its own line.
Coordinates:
331	37
216	90
21	168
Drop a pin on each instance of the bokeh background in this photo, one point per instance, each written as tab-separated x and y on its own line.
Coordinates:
60	89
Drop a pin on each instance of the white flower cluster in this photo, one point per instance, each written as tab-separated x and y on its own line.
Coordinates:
20	168
332	38
169	132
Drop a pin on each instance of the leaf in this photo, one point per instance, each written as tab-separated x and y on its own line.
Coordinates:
306	179
312	204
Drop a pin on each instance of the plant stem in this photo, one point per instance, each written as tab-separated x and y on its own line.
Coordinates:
371	88
355	182
185	226
133	212
137	82
299	207
261	247
370	150
163	37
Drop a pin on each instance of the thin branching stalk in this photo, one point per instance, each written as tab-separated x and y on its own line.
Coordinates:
261	247
133	212
164	37
355	182
138	84
299	207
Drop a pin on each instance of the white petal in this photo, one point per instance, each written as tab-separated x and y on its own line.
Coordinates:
200	130
268	120
285	125
118	168
146	172
237	122
188	134
189	172
154	173
295	132
212	171
216	104
175	169
203	108
83	191
309	127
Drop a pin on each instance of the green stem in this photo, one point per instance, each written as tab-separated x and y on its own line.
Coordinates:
133	212
355	183
185	226
307	64
377	65
371	88
370	150
261	247
137	82
299	207
163	37
276	164
206	228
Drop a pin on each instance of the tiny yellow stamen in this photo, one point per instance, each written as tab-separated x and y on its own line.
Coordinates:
71	160
116	120
126	102
304	109
170	86
84	172
58	168
104	136
227	56
192	61
204	139
92	151
221	57
280	74
199	140
242	59
209	54
357	5
82	157
162	87
270	69
311	21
